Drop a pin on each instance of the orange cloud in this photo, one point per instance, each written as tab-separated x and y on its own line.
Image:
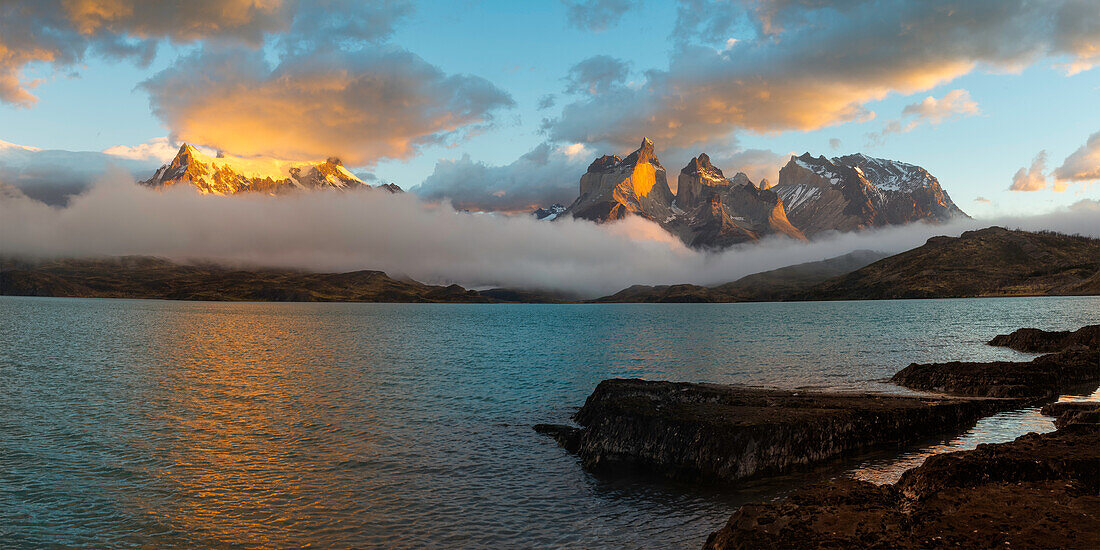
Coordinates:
816	64
360	107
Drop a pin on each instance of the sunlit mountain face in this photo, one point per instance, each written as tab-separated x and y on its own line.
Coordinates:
225	175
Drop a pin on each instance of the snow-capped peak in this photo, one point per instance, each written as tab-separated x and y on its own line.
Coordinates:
227	174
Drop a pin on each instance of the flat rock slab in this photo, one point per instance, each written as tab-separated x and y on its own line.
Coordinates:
700	432
1033	340
1043	376
1040	491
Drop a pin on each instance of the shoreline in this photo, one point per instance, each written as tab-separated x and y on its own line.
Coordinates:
707	433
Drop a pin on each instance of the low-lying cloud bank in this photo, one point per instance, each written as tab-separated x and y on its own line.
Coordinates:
433	243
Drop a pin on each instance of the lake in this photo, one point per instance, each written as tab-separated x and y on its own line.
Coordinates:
137	423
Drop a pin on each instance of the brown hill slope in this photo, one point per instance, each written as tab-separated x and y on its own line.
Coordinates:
143	277
990	262
776	284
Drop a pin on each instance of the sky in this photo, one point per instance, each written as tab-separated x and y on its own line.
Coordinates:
497	105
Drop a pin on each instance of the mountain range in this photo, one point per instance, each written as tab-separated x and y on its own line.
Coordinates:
224	175
712	211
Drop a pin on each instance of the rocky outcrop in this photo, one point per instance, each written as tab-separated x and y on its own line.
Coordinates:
726	433
549	214
614	187
856	192
1073	412
1039	491
1042	377
1033	340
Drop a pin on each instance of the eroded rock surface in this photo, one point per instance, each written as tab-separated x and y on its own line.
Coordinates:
1033	340
1043	376
711	432
1039	491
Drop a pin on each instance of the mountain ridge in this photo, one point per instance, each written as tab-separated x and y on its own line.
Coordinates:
224	175
710	211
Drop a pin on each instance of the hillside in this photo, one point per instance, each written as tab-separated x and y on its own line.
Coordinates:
143	277
773	285
989	262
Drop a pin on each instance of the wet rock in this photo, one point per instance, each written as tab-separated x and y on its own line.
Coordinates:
1040	491
566	436
1033	340
1043	376
700	432
1073	412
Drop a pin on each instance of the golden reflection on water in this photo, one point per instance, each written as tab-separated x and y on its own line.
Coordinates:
240	430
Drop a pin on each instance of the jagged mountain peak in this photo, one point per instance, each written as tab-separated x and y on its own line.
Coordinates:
645	153
227	175
858	191
702	165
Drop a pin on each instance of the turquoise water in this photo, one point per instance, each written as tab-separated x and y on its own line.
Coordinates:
131	423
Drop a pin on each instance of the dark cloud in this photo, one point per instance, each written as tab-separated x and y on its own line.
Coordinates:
547	101
63	32
597	75
542	177
597	15
815	64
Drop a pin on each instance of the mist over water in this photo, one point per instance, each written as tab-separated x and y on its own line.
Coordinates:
404	236
249	425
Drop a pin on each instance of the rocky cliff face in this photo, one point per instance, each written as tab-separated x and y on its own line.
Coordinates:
231	175
856	192
709	210
717	212
712	211
614	187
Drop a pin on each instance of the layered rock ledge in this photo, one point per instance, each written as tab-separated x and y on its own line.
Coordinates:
1043	376
1039	491
1033	340
727	433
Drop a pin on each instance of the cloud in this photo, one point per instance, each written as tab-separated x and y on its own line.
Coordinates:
361	106
63	32
1031	178
597	15
1083	164
404	236
956	103
834	143
815	64
596	75
982	200
547	101
953	104
542	177
160	149
53	176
